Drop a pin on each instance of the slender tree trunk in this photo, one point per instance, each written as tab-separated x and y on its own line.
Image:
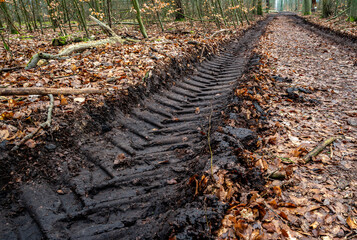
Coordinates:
9	22
50	12
267	2
235	12
158	16
179	14
17	14
306	7
81	17
26	15
327	8
109	15
138	17
222	12
259	8
353	11
33	8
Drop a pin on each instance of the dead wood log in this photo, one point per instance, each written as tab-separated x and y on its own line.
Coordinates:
114	38
319	148
46	91
42	125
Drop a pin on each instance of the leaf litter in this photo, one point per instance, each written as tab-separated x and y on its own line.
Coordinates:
315	200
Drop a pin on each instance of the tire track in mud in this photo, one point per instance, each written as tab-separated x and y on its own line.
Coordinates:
140	164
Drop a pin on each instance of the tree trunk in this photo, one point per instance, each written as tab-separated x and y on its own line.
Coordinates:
26	15
259	8
306	7
9	22
179	14
327	8
138	17
267	5
353	11
81	18
109	15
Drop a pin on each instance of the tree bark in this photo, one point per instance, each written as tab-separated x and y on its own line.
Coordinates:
306	7
138	17
9	22
179	14
353	11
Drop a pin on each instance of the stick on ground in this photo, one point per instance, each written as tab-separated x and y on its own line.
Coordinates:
42	125
47	91
319	148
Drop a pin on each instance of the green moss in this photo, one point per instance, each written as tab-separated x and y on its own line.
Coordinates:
352	19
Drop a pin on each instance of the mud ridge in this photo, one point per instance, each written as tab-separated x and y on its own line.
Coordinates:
133	173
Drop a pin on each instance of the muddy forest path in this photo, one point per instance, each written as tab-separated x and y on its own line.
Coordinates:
133	183
137	167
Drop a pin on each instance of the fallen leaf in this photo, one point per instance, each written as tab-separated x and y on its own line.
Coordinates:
277	191
30	143
79	100
352	222
4	134
63	101
171	181
284	216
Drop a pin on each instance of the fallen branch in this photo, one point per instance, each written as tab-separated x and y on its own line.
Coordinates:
46	91
319	148
338	14
10	69
218	32
42	125
114	38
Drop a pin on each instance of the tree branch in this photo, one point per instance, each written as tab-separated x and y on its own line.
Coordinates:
46	91
319	148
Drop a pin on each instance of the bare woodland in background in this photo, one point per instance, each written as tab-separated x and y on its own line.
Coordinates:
36	15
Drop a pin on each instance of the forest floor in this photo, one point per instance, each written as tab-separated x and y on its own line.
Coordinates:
299	92
115	68
337	24
315	200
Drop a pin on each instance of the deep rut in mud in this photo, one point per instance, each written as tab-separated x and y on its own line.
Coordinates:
140	163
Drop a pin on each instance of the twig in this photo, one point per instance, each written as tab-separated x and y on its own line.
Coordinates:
42	125
209	139
10	69
273	211
47	91
338	15
319	148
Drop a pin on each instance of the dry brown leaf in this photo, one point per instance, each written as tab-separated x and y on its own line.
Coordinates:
30	143
352	222
63	101
284	216
277	191
4	134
